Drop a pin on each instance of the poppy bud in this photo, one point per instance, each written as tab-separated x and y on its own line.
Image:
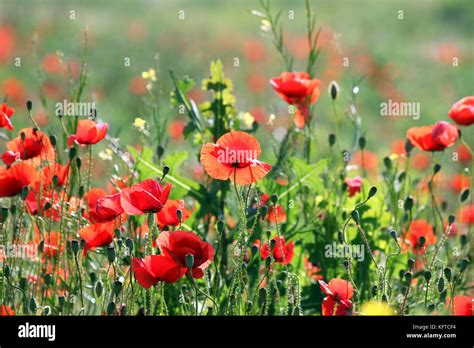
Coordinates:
448	273
340	236
464	195
274	198
61	300
72	153
262	295
346	264
33	305
24	192
463	265
3	215
160	150
442	296
47	279
372	192
333	89
93	277
422	241
263	211
29	105
362	143
431	307
254	249
441	284
402	177
463	240
384	298
179	214
22	136
387	162
355	216
408	204
166	170
111	254
408	147
81	192
129	244
427	276
331	139
7	270
110	308
117	233
117	287
53	140
411	262
78	162
55	180
408	277
393	234
98	288
75	246
344	215
436	168
190	261
451	219
273	243
268	262
374	290
269	234
220	226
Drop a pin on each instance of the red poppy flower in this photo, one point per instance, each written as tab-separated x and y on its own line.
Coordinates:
433	138
36	203
155	268
367	160
234	155
14	91
30	143
168	216
7	42
92	197
354	185
463	305
467	215
97	235
178	244
338	300
417	229
459	182
464	155
108	208
462	112
274	216
51	242
88	132
149	196
297	88
6	310
13	180
5	114
60	171
282	252
312	271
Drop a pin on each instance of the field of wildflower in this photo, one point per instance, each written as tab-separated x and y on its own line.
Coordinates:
247	158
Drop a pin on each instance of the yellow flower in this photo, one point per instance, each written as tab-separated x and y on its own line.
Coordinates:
139	123
106	155
150	74
376	308
247	119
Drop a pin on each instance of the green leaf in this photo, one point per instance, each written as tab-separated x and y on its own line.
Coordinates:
307	174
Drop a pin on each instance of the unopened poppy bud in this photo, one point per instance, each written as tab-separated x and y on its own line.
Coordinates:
463	265
129	244
53	140
346	264
110	308
440	284
362	143
464	195
220	226
33	305
463	240
254	249
422	241
427	276
160	150
75	246
93	277
61	300
24	192
179	214
111	254
393	234
72	153
117	287
263	211
384	298
355	216
408	147
274	198
262	295
451	219
408	204
7	270
436	168
331	139
269	234
411	262
442	296
268	262
98	288
273	243
333	89
408	277
189	261
372	192
81	191
387	162
448	272
29	105
55	180
374	290
166	170
3	215
402	177
78	162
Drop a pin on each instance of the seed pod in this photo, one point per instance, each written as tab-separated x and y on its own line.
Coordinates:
274	198
464	195
78	162
263	211
331	139
53	140
166	170
372	192
393	234
99	286
408	204
75	246
442	296
362	143
463	265
427	275
436	168
110	308
189	261
355	216
29	105
333	89
408	278
111	254
33	305
440	284
387	162
451	219
220	226
411	262
374	290
117	287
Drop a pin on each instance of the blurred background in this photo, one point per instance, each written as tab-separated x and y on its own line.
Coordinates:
416	51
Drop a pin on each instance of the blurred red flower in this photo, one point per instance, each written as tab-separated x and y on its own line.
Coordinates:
282	252
459	182
234	155
338	300
417	229
13	179
7	42
312	271
467	215
149	196
88	132
354	185
462	112
297	88
5	115
178	244
6	310
14	91
433	138
463	305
